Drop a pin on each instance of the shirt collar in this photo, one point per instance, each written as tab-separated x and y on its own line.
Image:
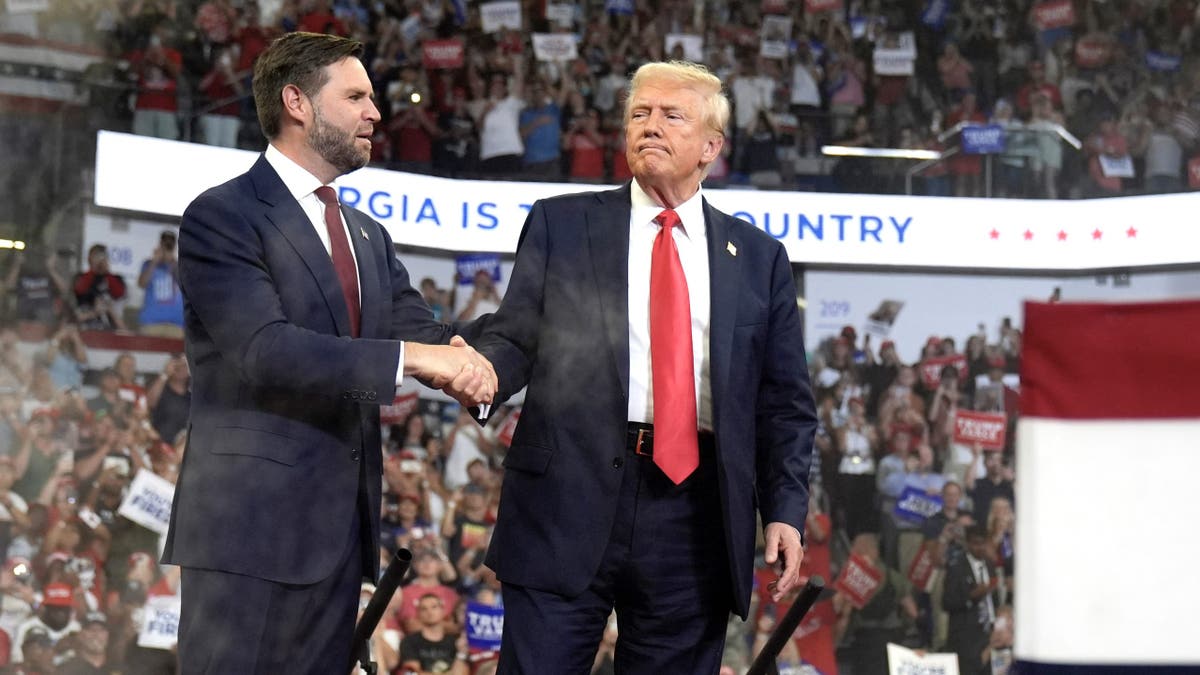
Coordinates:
691	212
295	178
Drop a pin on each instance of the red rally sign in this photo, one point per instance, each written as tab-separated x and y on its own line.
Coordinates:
931	369
442	54
818	6
859	581
1054	14
986	429
402	406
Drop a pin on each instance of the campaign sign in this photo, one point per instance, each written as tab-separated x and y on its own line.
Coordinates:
24	6
485	625
1092	52
160	622
509	427
693	45
985	428
818	6
915	505
560	14
148	502
931	369
904	661
467	266
1163	63
1054	14
401	407
923	572
1117	166
983	139
776	36
554	46
497	15
934	14
442	54
788	667
859	581
619	7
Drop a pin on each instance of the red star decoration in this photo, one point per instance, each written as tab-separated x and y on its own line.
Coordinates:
1096	234
1062	235
1131	232
994	234
1028	235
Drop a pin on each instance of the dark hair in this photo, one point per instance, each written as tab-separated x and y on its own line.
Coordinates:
977	532
300	59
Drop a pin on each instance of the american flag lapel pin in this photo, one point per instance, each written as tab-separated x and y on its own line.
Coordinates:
731	248
364	233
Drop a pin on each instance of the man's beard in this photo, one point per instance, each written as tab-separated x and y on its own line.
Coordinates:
335	146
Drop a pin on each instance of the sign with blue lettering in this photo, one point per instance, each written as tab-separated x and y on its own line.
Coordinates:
467	266
148	502
485	625
915	505
619	7
984	139
1163	63
934	14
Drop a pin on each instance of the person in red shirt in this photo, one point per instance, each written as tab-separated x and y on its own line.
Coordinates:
586	145
966	169
99	294
320	19
157	69
220	119
1106	149
1037	84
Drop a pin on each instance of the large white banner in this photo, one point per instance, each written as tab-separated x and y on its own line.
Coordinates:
150	175
20	6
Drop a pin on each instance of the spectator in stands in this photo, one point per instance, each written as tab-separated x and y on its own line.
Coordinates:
1038	84
585	145
36	654
467	443
969	598
967	169
541	131
321	19
500	145
157	69
169	398
413	127
129	389
162	304
430	649
467	521
66	358
858	443
993	485
99	294
1108	160
14	367
484	298
39	291
752	90
1001	536
43	459
1163	154
14	511
956	73
91	647
1019	148
53	621
882	619
432	571
1048	161
220	119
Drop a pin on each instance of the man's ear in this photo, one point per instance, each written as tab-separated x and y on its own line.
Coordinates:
712	148
296	104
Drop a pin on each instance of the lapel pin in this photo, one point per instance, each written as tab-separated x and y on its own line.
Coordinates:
364	234
731	248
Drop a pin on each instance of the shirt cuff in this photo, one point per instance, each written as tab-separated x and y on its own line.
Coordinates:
400	367
485	409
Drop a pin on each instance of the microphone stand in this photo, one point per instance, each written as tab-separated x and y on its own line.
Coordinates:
360	650
764	663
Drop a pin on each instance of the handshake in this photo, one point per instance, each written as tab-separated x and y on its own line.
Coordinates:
457	369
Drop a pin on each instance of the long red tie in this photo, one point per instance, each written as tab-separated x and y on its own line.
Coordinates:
676	449
343	261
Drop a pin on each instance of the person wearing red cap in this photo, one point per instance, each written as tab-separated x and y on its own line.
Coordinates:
54	617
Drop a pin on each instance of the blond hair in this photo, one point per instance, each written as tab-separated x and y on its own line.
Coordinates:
715	111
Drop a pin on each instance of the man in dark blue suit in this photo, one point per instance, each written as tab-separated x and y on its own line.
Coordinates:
647	441
299	323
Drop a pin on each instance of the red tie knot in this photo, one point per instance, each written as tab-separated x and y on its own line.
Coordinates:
327	195
668	219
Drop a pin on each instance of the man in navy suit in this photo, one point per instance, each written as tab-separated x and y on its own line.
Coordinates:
299	323
596	510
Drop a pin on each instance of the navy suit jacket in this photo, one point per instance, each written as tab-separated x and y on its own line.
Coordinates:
285	405
563	328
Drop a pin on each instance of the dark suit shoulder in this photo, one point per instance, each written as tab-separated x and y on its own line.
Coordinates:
747	233
236	189
576	200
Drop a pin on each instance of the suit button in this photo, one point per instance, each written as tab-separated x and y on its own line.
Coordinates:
618	462
371	396
354	455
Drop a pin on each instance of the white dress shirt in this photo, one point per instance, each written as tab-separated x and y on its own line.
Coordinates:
691	240
303	186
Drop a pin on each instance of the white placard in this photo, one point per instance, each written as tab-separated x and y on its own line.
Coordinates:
148	502
902	661
560	14
693	45
1117	167
160	622
497	15
554	46
27	6
776	36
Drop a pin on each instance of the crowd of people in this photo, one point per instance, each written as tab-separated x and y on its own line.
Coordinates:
464	93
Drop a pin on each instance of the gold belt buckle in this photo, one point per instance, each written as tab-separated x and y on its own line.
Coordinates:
642	435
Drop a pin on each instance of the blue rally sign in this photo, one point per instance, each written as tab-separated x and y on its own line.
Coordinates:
984	139
915	505
485	625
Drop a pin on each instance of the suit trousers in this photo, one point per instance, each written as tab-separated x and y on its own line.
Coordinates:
234	624
665	571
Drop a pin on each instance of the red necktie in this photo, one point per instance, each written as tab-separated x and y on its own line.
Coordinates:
343	261
676	449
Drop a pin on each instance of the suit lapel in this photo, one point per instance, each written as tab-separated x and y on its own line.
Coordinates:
368	272
285	213
724	281
608	244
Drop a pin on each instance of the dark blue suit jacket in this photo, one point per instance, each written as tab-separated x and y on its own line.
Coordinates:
285	405
563	328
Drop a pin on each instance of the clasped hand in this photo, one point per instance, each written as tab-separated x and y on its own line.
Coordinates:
457	369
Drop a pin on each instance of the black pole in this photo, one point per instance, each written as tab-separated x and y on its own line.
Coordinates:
764	663
392	576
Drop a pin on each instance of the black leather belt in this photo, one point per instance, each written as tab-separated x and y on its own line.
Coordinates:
639	439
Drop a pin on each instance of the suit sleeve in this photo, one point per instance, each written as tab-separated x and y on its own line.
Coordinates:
229	288
785	414
510	337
